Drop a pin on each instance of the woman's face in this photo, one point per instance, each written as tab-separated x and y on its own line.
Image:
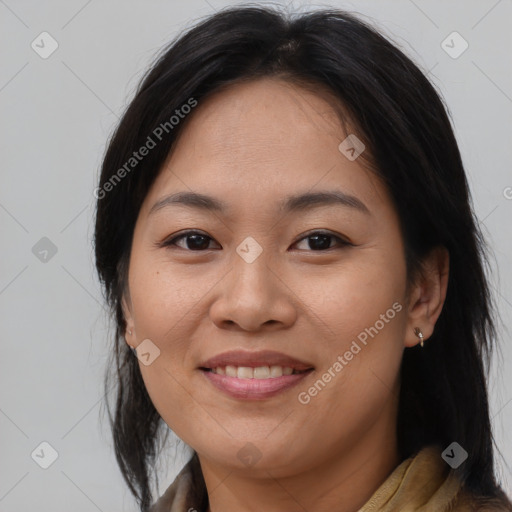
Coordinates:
322	281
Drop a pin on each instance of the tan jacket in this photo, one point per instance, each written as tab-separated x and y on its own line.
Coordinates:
423	483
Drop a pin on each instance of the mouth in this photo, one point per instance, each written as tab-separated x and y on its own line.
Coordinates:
254	375
258	372
257	362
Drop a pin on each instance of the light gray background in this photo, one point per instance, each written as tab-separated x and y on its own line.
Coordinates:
56	115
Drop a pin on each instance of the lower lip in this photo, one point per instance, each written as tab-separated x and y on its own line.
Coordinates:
253	389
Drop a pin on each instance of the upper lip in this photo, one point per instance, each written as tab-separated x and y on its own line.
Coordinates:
255	359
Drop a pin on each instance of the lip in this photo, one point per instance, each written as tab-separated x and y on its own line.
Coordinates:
253	389
255	359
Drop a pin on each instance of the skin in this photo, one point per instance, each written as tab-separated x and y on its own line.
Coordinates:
252	145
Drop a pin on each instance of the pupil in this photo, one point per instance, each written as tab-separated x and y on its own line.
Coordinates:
319	242
316	242
198	242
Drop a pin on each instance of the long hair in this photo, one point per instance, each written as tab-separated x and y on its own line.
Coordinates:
406	130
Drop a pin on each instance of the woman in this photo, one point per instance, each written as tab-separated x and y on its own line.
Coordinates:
285	236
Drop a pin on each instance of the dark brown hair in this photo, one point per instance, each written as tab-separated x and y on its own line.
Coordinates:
408	133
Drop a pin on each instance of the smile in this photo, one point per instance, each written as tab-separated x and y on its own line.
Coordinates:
257	383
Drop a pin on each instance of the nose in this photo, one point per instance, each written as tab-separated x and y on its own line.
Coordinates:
253	297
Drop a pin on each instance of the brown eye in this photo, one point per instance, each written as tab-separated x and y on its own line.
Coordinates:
320	241
190	240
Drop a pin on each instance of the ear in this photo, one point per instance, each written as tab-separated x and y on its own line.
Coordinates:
129	335
427	295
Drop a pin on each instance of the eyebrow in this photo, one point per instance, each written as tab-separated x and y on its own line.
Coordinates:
298	202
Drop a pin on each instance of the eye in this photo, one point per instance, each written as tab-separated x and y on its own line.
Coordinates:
190	240
197	241
321	241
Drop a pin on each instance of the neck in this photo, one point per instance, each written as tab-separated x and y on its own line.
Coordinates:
343	482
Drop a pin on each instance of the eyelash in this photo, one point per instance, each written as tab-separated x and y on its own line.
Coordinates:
169	243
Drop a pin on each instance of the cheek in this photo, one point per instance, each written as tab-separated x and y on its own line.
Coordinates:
361	356
362	306
174	400
167	309
162	296
353	297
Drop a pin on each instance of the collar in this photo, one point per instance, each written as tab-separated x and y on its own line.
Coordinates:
421	483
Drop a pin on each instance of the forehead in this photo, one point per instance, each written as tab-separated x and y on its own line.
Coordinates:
268	112
262	139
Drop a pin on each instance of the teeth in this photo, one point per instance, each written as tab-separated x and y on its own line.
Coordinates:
276	371
245	373
260	372
231	371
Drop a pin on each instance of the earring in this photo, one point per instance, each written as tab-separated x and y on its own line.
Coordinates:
418	333
133	350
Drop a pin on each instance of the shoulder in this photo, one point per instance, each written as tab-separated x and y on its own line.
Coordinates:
467	502
187	491
175	496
